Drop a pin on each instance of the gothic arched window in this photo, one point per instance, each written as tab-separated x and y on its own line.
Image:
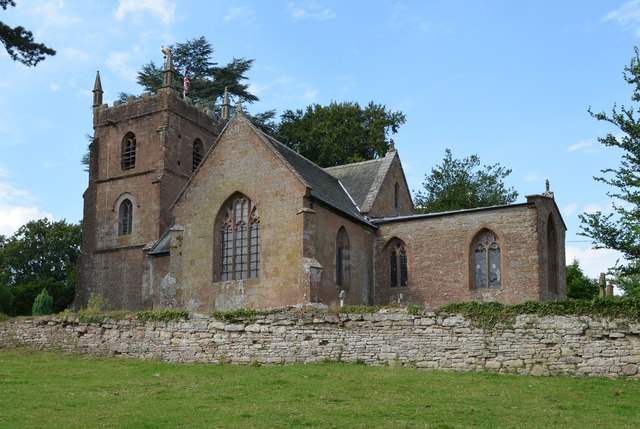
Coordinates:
342	257
125	217
398	269
486	260
240	240
128	152
197	153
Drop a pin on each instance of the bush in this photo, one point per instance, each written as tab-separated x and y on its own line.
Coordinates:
43	304
161	315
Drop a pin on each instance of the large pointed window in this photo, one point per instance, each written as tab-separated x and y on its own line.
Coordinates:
398	269
125	217
197	153
128	152
240	240
486	260
342	258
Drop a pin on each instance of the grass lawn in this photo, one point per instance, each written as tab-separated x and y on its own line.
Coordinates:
49	390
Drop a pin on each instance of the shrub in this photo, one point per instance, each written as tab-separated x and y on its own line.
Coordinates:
161	315
43	304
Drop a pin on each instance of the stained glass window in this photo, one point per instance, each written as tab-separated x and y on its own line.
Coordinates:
240	240
125	218
398	267
487	261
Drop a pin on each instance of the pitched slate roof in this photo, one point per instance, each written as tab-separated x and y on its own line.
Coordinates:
363	179
324	187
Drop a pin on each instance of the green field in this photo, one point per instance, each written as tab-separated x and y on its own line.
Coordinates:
49	390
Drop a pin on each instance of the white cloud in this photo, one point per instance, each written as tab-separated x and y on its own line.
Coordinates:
310	10
125	63
593	261
17	207
404	17
240	14
162	9
569	209
74	54
55	13
54	87
592	208
626	16
584	146
533	177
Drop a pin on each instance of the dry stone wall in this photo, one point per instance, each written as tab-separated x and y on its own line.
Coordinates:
550	345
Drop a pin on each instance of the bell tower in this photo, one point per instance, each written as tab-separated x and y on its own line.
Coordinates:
143	152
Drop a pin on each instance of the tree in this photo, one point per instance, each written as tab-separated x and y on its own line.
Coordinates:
340	133
207	81
628	279
19	42
620	230
462	184
43	304
579	286
40	255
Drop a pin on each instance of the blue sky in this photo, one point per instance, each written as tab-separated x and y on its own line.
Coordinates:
510	81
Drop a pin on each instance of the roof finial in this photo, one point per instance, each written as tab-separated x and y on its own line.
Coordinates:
167	77
239	106
225	105
547	192
392	146
97	91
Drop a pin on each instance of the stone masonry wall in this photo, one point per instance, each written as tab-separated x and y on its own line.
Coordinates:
551	345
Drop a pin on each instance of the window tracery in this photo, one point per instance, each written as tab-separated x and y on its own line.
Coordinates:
398	268
487	261
240	240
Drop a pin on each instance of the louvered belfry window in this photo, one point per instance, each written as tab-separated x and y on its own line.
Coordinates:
128	153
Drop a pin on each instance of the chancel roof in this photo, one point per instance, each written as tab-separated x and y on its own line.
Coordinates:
363	179
324	186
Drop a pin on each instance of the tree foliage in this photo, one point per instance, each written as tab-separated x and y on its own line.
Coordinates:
340	133
43	304
461	184
40	255
628	279
207	80
620	230
579	286
19	42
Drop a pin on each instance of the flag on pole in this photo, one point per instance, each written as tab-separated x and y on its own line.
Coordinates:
185	83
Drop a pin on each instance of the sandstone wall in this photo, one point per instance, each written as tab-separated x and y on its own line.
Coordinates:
552	345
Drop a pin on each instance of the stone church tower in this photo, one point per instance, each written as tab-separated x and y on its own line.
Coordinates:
142	154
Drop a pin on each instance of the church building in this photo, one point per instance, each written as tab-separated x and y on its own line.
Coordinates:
188	209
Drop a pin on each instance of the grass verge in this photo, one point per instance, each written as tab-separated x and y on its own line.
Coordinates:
44	390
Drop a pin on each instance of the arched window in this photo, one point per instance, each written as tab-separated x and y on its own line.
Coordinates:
240	240
487	260
552	256
197	153
342	257
398	270
128	152
125	217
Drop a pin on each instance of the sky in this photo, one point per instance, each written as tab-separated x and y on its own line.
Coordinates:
509	81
